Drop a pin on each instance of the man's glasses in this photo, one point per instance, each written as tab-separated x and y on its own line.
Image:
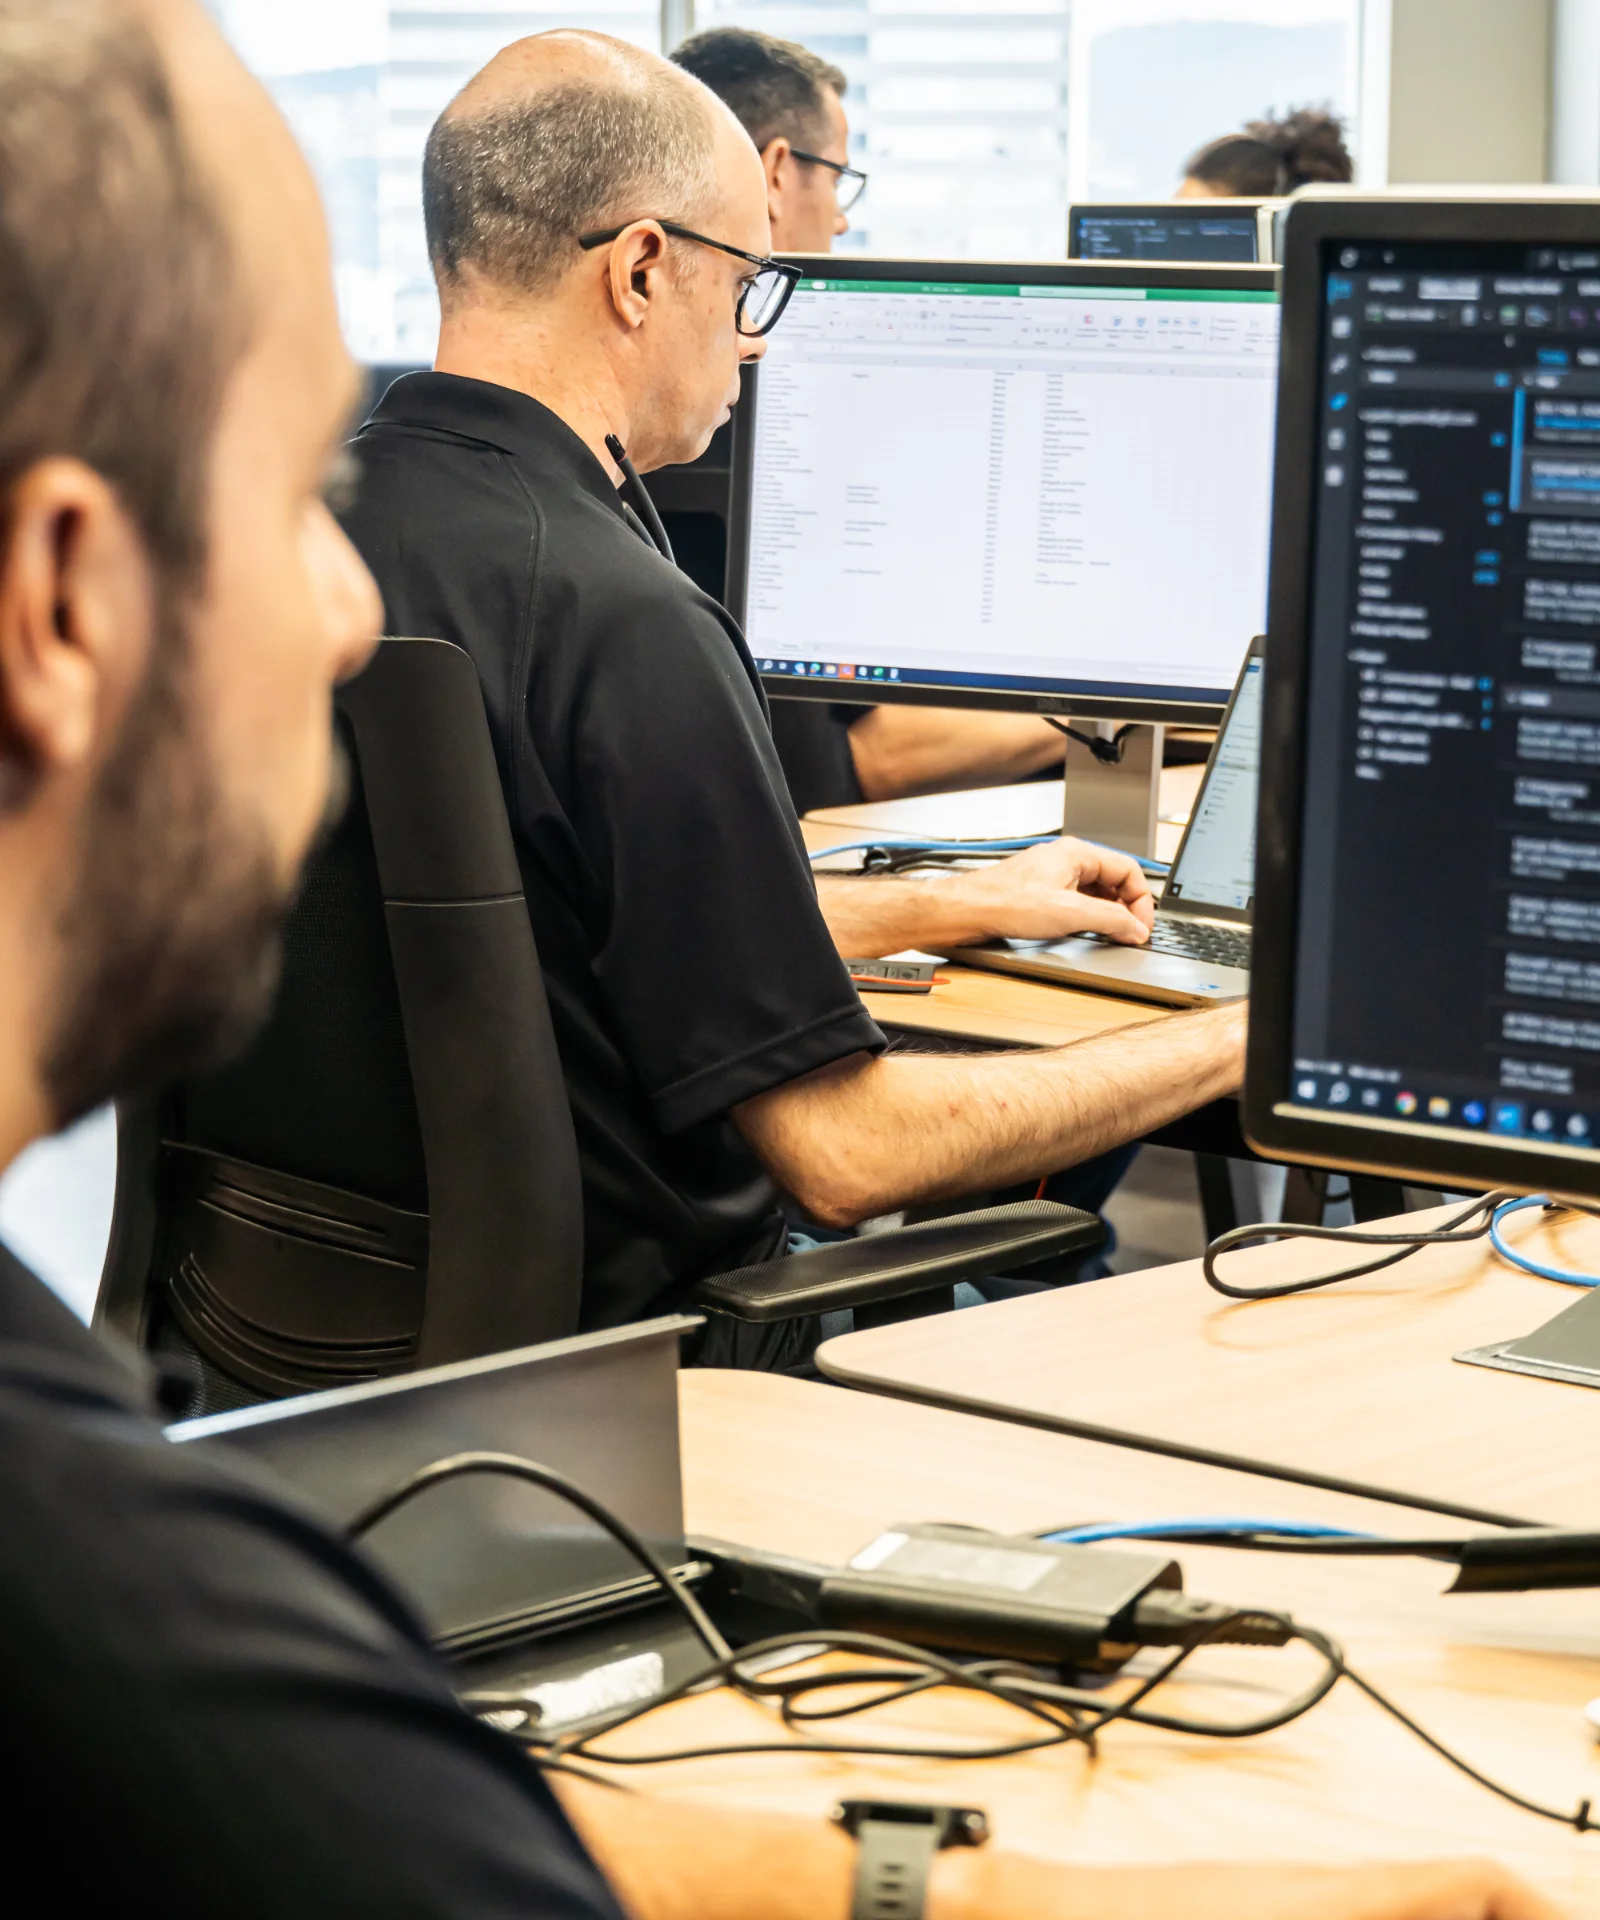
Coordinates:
762	298
849	183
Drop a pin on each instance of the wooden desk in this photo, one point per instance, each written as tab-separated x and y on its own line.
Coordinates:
990	1009
817	1472
1351	1385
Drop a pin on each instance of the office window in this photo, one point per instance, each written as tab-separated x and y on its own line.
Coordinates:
959	113
977	122
361	82
1155	79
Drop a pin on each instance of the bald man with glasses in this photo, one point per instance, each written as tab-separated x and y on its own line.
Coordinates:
598	227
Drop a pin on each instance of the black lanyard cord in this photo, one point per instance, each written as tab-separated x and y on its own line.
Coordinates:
633	491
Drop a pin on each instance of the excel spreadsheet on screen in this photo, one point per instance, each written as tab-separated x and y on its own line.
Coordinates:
1031	484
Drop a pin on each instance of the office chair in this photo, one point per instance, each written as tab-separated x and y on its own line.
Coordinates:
388	1179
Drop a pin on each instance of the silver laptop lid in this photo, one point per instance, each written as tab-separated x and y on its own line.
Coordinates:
1214	873
487	1558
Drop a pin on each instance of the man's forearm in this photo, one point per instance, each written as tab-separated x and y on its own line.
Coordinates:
904	750
869	917
675	1860
871	1136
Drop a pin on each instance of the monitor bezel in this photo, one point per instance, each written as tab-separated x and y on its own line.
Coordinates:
1212	204
1051	273
1274	1127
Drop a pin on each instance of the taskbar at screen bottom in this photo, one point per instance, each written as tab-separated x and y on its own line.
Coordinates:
852	678
1499	1114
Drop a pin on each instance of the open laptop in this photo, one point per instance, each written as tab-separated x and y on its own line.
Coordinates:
1199	950
510	1581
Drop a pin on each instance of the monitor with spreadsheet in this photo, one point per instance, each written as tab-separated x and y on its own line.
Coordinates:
1041	486
1182	230
1427	963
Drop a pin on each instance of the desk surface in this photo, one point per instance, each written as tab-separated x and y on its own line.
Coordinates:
817	1472
992	1009
1351	1384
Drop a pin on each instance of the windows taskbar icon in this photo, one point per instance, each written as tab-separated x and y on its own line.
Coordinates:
828	670
1511	1119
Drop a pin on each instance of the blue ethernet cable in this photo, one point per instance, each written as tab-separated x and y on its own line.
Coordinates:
1202	1528
1564	1274
910	844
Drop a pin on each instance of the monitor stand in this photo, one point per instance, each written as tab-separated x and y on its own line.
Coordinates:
1115	803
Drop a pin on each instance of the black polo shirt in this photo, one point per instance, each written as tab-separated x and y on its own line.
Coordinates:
212	1704
687	964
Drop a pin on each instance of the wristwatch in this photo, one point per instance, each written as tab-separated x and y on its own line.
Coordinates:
898	1840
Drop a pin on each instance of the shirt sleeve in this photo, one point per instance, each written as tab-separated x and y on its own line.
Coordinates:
717	965
218	1708
813	742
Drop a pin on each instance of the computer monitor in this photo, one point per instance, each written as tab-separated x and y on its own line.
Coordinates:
1042	486
1426	973
1167	230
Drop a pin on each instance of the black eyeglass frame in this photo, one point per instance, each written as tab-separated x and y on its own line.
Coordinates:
843	173
791	276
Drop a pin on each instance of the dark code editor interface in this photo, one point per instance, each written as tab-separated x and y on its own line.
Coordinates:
1448	954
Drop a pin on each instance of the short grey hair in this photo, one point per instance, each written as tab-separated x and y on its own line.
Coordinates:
508	189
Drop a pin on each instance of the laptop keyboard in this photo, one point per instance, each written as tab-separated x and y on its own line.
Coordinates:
1196	940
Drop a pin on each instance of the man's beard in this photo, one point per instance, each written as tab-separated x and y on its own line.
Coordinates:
170	935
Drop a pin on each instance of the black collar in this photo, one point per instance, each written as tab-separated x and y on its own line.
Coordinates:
500	417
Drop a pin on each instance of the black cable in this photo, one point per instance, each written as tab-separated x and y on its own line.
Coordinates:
635	492
1107	752
1068	1714
1454	1232
924	1669
459	1464
1579	1820
1089	1713
891	859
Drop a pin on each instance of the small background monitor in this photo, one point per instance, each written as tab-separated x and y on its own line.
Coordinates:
1171	231
1039	486
1426	995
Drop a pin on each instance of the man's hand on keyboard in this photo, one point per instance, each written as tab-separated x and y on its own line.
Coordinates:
1066	886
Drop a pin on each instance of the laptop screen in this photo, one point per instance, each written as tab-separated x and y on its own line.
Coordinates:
1216	865
484	1558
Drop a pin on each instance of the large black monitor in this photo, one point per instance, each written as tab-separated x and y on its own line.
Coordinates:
1042	486
1426	988
1167	230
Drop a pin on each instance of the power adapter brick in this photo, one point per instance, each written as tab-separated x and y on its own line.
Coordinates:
960	1590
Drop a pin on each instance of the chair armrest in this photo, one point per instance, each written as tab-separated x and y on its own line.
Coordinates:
885	1266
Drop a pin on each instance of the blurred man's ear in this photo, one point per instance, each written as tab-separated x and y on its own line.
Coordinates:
75	621
775	164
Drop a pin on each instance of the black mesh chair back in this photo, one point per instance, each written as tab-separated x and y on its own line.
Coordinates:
388	1179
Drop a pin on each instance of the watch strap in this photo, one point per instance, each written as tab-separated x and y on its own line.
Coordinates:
893	1861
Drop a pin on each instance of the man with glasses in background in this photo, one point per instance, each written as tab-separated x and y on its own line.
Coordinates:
791	103
598	226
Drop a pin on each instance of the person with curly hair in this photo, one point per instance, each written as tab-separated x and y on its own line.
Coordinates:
1270	157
